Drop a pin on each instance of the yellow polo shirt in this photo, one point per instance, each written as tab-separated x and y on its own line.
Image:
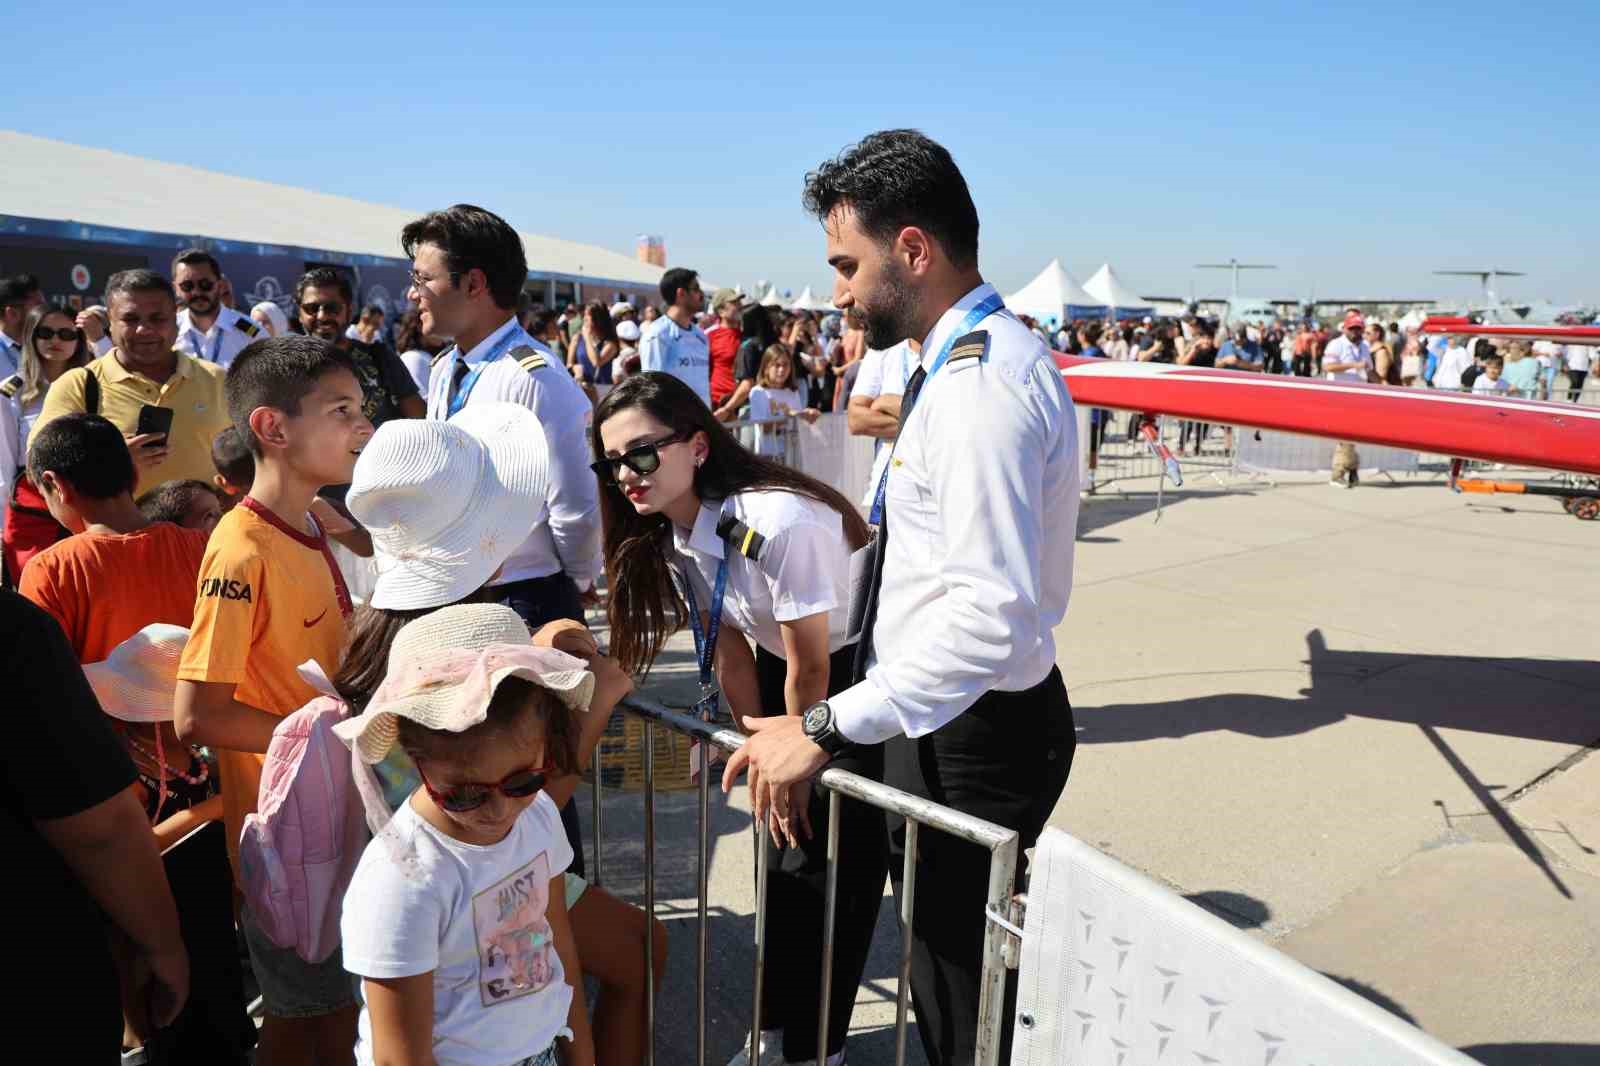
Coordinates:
194	392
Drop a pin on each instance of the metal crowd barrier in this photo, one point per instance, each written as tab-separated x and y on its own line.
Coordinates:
1000	950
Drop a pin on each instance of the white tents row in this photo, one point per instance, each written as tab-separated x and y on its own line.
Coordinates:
806	301
1056	295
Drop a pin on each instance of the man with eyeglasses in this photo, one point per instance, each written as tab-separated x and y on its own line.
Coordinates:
673	343
207	330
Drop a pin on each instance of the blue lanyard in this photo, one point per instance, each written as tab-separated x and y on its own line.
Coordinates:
200	342
705	639
456	402
974	316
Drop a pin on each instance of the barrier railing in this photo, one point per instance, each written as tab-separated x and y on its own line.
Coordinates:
999	953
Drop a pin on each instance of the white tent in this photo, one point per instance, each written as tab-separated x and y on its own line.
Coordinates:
771	298
808	302
1108	289
1055	295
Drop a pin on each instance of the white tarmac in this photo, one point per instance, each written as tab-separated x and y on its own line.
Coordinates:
1355	722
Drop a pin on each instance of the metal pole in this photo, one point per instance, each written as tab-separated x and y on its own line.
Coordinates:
705	925
595	880
908	908
830	906
991	990
650	892
762	855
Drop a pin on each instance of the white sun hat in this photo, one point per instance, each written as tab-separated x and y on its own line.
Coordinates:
444	669
447	503
137	680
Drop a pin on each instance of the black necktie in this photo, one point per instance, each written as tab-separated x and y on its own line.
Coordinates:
870	616
456	375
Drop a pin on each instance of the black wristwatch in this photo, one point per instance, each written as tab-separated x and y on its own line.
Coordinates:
819	728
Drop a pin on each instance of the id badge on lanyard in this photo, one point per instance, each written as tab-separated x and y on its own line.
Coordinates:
709	706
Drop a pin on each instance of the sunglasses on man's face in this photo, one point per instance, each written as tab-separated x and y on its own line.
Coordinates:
331	308
642	459
458	799
203	284
65	333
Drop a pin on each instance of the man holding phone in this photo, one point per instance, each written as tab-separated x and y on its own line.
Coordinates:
167	404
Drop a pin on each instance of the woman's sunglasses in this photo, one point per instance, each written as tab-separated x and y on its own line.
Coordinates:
642	460
65	333
459	799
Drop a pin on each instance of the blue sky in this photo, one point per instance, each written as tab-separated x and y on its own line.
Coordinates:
1358	146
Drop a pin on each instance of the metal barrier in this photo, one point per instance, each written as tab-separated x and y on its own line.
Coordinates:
999	954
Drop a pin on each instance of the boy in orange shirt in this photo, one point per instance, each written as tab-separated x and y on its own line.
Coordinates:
271	597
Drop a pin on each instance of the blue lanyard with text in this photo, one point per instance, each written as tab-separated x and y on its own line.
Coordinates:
462	391
705	639
974	316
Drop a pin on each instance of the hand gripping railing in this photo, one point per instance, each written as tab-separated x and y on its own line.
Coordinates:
1001	843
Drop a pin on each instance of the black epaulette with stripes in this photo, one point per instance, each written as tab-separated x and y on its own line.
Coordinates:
530	359
11	386
249	327
741	538
974	345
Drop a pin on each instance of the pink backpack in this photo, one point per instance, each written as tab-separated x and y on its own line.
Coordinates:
298	851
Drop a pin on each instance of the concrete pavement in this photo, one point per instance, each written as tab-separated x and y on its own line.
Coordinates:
1355	722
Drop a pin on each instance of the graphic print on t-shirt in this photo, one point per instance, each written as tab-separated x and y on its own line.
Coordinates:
515	943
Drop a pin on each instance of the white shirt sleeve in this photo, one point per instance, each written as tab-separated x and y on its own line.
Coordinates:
869	379
798	564
985	459
13	453
574	491
393	920
103	345
652	349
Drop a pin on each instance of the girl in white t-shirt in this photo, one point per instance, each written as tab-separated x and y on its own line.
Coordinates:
775	398
456	919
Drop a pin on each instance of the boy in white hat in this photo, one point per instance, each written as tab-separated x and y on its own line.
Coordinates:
456	919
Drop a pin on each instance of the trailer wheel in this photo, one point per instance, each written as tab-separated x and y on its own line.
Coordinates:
1567	503
1586	507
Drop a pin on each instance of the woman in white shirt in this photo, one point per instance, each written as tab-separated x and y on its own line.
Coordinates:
685	511
52	344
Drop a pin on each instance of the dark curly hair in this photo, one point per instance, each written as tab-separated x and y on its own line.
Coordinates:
898	178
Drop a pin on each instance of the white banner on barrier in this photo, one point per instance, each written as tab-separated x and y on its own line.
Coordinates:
1265	449
829	453
1121	971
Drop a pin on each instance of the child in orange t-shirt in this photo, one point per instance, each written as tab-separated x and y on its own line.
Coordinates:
270	597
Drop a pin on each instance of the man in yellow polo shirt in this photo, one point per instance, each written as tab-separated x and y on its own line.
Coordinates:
144	369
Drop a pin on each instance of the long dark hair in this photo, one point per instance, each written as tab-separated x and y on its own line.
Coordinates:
601	317
366	653
638	547
755	324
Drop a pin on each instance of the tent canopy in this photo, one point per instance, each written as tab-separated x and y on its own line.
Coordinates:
1106	287
771	298
1055	295
808	302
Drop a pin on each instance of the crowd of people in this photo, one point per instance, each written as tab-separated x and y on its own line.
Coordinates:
301	602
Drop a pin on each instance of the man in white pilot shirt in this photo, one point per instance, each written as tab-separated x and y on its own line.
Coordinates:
979	520
207	330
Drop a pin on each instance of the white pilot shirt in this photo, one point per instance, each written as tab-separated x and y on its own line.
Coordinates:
565	537
982	512
804	567
223	342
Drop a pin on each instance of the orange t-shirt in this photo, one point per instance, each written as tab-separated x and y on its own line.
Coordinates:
269	598
105	587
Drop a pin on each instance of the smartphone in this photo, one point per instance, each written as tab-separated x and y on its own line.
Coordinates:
153	419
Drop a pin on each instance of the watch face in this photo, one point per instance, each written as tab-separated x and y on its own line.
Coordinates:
816	720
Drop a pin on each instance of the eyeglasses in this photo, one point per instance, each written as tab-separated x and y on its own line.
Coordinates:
66	333
642	459
420	281
328	307
519	784
203	284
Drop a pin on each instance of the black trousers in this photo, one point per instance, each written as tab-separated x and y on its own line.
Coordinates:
791	992
1005	760
540	600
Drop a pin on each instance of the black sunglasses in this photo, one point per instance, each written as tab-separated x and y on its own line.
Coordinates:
204	285
519	784
642	459
327	307
66	333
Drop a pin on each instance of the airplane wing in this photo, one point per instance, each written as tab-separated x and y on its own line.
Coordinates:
1557	436
1466	327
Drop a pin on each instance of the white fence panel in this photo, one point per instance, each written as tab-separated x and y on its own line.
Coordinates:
1121	971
